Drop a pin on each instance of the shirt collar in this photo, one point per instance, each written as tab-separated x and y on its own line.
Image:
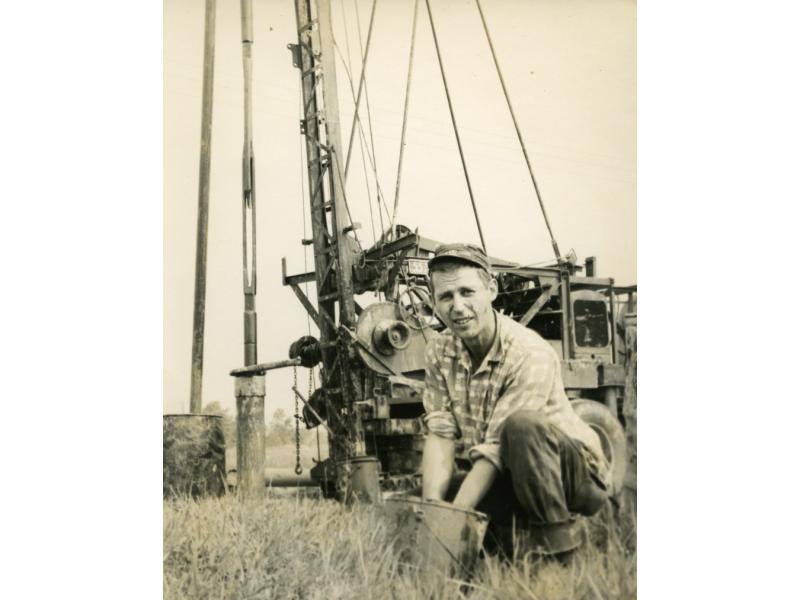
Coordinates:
495	353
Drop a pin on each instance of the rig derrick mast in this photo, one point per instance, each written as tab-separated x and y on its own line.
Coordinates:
334	248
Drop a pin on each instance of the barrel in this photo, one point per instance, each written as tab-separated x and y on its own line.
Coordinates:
433	536
194	456
359	479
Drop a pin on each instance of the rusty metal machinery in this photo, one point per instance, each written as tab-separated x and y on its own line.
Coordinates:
372	358
578	315
388	343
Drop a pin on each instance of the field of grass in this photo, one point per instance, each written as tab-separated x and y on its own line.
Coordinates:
287	545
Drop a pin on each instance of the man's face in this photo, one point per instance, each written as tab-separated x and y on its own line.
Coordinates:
463	301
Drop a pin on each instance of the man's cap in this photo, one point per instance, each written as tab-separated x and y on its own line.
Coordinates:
468	253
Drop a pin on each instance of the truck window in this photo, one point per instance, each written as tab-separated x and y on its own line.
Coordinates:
591	323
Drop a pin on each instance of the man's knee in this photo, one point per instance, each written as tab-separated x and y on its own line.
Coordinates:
526	424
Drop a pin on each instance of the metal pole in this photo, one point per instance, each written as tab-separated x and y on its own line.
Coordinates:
251	438
262	368
198	327
248	193
344	272
324	259
344	253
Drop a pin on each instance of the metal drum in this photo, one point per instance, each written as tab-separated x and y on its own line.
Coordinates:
359	479
194	456
435	535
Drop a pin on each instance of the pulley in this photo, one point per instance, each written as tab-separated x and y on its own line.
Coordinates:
307	349
391	335
388	340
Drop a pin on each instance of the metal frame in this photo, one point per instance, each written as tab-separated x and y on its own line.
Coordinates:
333	255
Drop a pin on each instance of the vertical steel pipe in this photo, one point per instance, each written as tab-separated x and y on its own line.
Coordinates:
251	440
248	193
198	326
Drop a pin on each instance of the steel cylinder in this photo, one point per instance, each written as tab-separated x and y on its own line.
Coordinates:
251	438
194	456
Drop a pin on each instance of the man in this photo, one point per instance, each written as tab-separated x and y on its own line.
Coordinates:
495	404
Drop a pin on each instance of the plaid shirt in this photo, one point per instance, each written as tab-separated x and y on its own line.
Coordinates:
520	371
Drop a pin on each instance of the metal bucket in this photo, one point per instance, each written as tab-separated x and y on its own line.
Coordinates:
359	479
194	456
435	535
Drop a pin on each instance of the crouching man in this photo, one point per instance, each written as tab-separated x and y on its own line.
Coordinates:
495	406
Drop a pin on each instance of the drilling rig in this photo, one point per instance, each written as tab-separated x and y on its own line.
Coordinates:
371	358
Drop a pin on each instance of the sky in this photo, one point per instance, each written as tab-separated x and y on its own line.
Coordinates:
570	69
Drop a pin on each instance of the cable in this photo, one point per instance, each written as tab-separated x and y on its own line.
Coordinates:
369	114
516	127
455	127
361	142
357	122
360	87
335	160
405	120
348	68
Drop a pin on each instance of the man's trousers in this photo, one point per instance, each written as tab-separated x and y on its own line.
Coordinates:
547	477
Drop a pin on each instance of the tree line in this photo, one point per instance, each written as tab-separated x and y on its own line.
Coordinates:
280	427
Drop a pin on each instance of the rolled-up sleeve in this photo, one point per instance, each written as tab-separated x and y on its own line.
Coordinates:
527	387
488	450
436	398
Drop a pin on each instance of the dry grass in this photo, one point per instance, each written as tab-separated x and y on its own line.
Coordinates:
294	547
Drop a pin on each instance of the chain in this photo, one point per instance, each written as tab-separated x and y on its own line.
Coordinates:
298	468
311	391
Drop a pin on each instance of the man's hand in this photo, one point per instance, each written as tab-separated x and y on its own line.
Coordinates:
437	466
476	484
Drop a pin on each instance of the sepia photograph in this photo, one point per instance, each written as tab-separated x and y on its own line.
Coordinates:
359	280
400	299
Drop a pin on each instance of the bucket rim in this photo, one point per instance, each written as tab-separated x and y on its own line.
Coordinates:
437	503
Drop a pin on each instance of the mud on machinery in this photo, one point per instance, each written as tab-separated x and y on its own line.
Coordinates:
374	406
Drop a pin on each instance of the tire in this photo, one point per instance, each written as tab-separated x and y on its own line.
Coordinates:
612	438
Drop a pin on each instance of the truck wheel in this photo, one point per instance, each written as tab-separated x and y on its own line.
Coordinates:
612	438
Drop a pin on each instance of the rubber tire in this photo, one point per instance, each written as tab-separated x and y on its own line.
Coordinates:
612	437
